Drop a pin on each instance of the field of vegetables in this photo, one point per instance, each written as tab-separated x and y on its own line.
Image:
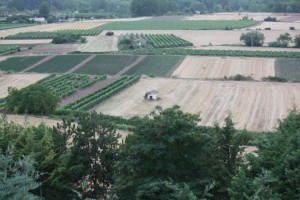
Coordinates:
67	84
4	26
106	64
17	64
100	95
201	52
60	64
9	49
157	66
180	25
50	35
288	68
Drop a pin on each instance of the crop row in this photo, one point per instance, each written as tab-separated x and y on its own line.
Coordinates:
166	40
96	97
201	52
4	26
50	35
8	49
68	84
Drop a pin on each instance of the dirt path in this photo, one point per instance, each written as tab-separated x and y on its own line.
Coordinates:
81	64
37	64
137	61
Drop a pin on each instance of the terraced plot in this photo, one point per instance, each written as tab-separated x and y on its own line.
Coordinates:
106	64
156	65
288	68
17	64
256	106
18	81
60	64
219	67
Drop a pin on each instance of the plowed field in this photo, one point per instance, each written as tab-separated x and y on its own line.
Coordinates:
256	106
218	67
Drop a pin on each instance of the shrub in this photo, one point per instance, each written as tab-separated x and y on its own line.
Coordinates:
63	38
274	78
274	44
253	38
267	28
292	28
239	77
297	41
270	19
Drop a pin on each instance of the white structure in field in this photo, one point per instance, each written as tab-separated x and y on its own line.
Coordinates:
152	95
38	20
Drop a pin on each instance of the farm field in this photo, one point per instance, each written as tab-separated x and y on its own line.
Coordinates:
214	37
106	64
18	81
288	68
17	64
99	44
49	49
4	26
179	25
219	67
156	65
8	48
22	42
59	64
256	106
279	25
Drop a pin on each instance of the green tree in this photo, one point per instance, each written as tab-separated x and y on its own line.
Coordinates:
275	172
253	38
297	41
34	99
44	10
17	176
166	144
94	153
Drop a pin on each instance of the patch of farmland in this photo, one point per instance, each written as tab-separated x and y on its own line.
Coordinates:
106	64
47	49
4	26
288	68
179	25
201	38
18	81
219	67
256	106
59	64
17	64
278	25
22	42
155	65
99	44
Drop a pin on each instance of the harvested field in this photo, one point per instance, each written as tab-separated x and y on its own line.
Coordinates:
156	65
18	81
24	42
60	64
50	49
218	67
206	37
99	44
32	120
106	64
278	25
256	106
288	68
17	64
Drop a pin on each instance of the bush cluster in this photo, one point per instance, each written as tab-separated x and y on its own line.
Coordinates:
65	38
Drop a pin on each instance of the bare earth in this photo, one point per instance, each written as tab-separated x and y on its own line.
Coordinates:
18	81
278	26
99	44
25	42
256	106
244	48
218	67
215	37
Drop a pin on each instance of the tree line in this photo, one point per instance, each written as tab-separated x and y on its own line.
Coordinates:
167	156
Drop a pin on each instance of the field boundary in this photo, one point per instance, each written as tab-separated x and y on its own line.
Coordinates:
81	64
37	64
137	61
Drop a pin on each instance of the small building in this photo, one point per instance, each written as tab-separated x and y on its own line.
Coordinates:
38	20
152	95
139	43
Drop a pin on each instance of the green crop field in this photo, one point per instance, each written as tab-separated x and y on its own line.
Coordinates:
106	64
155	65
179	25
17	64
9	49
60	64
4	26
288	68
50	35
201	52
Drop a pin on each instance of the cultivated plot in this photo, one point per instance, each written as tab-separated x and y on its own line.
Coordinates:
288	68
17	81
60	64
278	25
156	65
219	67
17	64
106	64
99	44
256	106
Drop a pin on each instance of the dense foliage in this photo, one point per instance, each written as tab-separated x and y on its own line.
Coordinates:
34	99
9	49
253	38
66	38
